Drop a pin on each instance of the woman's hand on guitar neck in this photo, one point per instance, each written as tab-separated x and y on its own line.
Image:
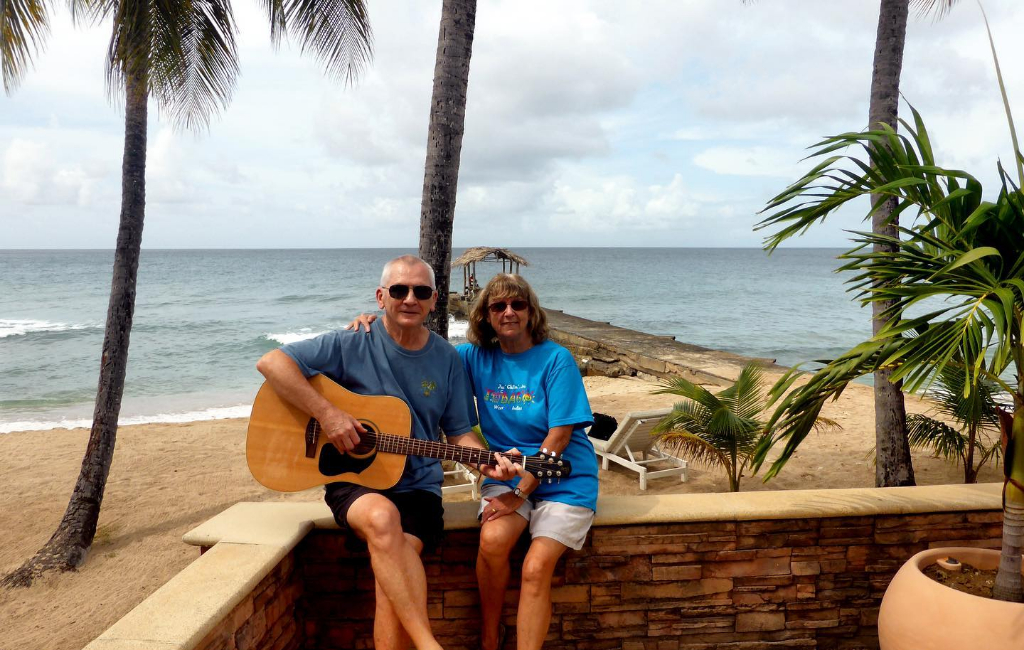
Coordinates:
504	469
362	319
341	428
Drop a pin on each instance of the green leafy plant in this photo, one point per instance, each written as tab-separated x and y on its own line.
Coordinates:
955	279
720	429
969	444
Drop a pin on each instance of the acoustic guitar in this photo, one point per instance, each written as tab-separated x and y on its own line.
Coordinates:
287	451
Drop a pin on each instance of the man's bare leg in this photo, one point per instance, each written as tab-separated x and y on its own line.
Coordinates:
388	633
535	593
497	537
397	568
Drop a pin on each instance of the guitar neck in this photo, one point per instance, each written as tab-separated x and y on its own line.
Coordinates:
393	444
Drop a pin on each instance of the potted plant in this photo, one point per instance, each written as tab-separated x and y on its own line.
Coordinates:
954	278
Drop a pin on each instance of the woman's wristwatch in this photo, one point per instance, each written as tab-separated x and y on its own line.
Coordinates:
518	491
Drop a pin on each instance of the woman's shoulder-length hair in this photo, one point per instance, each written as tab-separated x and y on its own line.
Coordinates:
505	286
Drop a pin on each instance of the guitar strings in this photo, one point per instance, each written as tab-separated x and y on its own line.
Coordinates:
391	443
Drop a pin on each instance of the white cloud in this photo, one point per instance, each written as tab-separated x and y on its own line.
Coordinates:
32	174
603	204
750	161
589	122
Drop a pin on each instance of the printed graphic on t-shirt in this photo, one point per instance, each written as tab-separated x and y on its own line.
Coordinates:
511	396
428	387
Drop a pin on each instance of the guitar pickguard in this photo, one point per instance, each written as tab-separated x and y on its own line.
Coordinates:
334	463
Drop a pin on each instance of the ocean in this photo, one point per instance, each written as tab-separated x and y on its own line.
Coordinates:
203	317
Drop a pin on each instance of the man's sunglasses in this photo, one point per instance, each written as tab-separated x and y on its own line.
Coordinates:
400	291
499	307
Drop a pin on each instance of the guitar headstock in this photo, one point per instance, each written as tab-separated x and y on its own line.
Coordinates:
547	465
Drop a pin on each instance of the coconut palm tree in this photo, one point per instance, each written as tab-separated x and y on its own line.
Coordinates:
894	466
444	147
953	280
721	429
183	55
892	447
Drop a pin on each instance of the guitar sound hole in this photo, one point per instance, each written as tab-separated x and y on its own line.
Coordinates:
333	463
366	445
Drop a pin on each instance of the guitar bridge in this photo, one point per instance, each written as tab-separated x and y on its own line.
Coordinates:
312	429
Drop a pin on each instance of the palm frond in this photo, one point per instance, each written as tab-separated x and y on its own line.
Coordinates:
695	449
927	433
336	32
685	416
936	8
24	25
196	65
745	396
185	49
689	390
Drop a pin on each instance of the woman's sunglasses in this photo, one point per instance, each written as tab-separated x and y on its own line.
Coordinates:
400	291
499	307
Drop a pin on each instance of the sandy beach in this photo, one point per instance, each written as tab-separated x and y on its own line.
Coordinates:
168	478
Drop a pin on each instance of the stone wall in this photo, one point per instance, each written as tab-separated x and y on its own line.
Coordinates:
802	582
265	619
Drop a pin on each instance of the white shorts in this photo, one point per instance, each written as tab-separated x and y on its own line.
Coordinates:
561	522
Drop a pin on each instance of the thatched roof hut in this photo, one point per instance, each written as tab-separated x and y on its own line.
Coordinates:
510	263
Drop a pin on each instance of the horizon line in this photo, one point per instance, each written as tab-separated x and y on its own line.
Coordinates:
348	248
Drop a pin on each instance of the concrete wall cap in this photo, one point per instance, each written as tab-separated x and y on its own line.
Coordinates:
285	523
183	611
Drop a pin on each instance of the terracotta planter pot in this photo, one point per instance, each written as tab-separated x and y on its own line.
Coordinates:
918	613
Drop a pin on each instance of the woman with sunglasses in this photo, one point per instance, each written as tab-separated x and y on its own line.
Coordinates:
530	397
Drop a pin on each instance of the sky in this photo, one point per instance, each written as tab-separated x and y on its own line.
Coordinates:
588	123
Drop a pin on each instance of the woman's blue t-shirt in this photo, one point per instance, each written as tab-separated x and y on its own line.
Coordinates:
521	396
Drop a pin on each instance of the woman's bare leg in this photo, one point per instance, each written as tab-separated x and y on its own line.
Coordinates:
535	594
497	537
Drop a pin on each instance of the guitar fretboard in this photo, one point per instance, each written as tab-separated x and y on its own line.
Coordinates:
392	444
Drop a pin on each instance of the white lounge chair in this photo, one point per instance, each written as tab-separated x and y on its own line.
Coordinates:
633	446
458	470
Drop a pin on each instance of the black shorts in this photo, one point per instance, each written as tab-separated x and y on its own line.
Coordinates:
421	512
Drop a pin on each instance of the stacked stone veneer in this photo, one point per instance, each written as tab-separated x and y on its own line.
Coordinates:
750	585
265	619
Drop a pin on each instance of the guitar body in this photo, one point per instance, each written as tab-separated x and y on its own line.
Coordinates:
286	451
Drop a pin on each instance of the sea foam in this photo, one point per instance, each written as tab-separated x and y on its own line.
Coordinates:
456	329
285	338
21	327
216	413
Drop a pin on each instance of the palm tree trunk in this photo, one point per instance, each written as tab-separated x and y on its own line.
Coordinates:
444	147
1008	580
66	550
970	473
894	466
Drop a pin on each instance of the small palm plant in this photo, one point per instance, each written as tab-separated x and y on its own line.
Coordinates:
720	429
976	414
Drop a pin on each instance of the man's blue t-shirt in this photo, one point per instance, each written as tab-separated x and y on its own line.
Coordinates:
521	396
431	380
